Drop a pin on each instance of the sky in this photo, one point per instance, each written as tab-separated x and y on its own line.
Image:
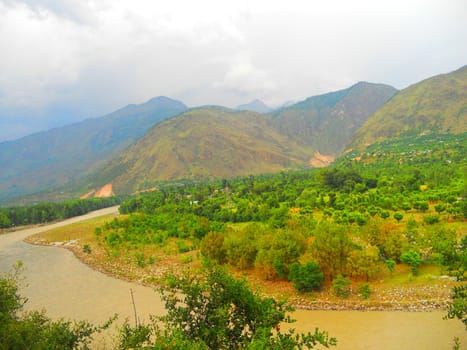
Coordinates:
62	61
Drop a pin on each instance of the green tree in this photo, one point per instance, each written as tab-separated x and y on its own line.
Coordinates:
457	308
4	220
212	247
363	262
331	248
216	311
413	259
277	251
241	246
306	277
341	286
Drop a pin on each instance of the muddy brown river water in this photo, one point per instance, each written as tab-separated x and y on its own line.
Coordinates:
67	288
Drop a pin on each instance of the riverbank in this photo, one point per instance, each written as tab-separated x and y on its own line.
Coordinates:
402	292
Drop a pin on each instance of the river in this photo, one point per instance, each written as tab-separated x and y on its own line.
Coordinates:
69	289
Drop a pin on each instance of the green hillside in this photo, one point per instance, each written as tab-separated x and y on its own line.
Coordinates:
437	104
216	142
47	160
204	143
327	122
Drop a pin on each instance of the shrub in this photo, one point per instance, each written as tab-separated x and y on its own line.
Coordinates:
140	259
390	264
412	258
431	219
341	286
364	291
306	277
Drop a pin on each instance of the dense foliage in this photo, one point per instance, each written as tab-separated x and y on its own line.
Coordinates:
396	202
216	311
458	306
47	212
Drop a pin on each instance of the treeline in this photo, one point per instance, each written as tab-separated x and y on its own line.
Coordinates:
47	212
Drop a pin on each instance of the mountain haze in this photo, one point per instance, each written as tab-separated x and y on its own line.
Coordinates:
437	104
50	159
204	143
327	122
255	106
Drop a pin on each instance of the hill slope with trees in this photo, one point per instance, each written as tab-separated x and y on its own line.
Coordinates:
437	104
328	122
200	144
50	159
216	142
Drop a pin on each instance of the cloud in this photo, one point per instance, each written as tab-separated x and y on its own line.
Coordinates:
63	60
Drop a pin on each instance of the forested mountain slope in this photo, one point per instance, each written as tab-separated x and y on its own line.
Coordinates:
204	143
49	159
437	104
327	122
216	142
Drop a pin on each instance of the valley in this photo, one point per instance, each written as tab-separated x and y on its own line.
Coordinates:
353	200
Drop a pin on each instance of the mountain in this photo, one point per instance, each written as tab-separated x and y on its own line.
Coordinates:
203	143
327	122
437	104
216	142
255	106
50	159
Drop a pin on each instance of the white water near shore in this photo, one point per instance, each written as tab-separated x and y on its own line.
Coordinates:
67	288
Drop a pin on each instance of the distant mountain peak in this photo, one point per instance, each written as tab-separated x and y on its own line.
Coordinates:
255	106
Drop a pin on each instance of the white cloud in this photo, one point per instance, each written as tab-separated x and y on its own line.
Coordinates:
86	58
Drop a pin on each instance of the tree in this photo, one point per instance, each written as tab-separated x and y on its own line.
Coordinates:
413	259
277	251
216	311
331	248
341	286
4	220
457	308
363	262
212	247
306	277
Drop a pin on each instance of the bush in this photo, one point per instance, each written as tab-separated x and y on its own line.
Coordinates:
413	259
212	247
341	286
431	219
306	277
390	264
364	291
199	308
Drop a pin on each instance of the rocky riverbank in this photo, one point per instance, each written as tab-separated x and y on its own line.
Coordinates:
431	295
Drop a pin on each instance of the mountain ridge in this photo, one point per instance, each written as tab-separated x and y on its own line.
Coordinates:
222	142
438	103
52	158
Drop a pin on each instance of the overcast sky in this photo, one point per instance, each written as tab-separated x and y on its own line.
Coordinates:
66	60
